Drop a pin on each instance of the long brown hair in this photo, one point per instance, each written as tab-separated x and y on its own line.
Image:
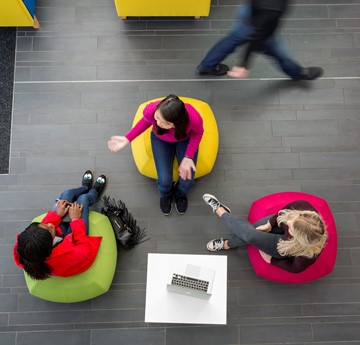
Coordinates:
173	110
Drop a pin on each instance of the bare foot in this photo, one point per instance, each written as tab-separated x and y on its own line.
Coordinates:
238	72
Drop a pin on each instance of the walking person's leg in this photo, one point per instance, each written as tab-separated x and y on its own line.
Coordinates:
164	154
227	45
277	48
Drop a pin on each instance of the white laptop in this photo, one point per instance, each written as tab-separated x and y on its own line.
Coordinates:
192	280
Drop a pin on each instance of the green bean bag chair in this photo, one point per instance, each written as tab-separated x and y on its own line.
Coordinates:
89	284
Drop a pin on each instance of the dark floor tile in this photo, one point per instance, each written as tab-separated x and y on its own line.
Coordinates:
9	304
344	11
129	336
202	335
275	333
8	338
336	332
57	338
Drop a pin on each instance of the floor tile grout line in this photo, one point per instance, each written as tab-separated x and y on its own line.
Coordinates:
164	80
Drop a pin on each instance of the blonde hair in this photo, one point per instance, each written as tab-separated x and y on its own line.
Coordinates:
308	231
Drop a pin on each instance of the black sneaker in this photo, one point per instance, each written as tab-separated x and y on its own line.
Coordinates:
100	185
181	204
310	73
166	205
220	69
87	179
214	203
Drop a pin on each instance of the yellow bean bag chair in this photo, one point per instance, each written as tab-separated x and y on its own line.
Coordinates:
157	8
89	284
208	148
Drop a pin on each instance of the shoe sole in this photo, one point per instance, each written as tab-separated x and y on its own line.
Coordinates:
167	214
179	211
213	74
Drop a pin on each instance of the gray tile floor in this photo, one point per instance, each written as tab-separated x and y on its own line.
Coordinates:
80	78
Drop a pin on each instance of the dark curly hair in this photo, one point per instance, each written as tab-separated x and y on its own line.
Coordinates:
34	247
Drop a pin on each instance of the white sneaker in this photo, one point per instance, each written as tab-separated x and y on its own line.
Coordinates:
216	245
214	203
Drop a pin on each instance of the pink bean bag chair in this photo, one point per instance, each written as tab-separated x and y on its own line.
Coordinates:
324	264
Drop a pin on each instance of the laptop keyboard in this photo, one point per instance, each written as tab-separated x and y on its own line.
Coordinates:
190	283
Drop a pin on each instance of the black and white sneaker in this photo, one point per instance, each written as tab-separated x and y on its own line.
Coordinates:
100	185
166	205
181	204
87	179
214	203
216	245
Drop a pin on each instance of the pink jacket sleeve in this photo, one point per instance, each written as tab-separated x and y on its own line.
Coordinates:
196	131
144	123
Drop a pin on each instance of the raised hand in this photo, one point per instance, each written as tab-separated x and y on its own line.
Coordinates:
117	143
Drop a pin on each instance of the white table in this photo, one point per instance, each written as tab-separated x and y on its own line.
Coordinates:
168	307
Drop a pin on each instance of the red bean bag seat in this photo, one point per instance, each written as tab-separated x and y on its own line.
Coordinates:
324	264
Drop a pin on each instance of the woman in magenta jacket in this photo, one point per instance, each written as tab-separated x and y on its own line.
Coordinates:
55	247
177	129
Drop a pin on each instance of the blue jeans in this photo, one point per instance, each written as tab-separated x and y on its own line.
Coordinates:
81	195
164	154
274	46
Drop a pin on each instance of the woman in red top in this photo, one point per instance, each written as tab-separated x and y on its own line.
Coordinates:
56	247
290	240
